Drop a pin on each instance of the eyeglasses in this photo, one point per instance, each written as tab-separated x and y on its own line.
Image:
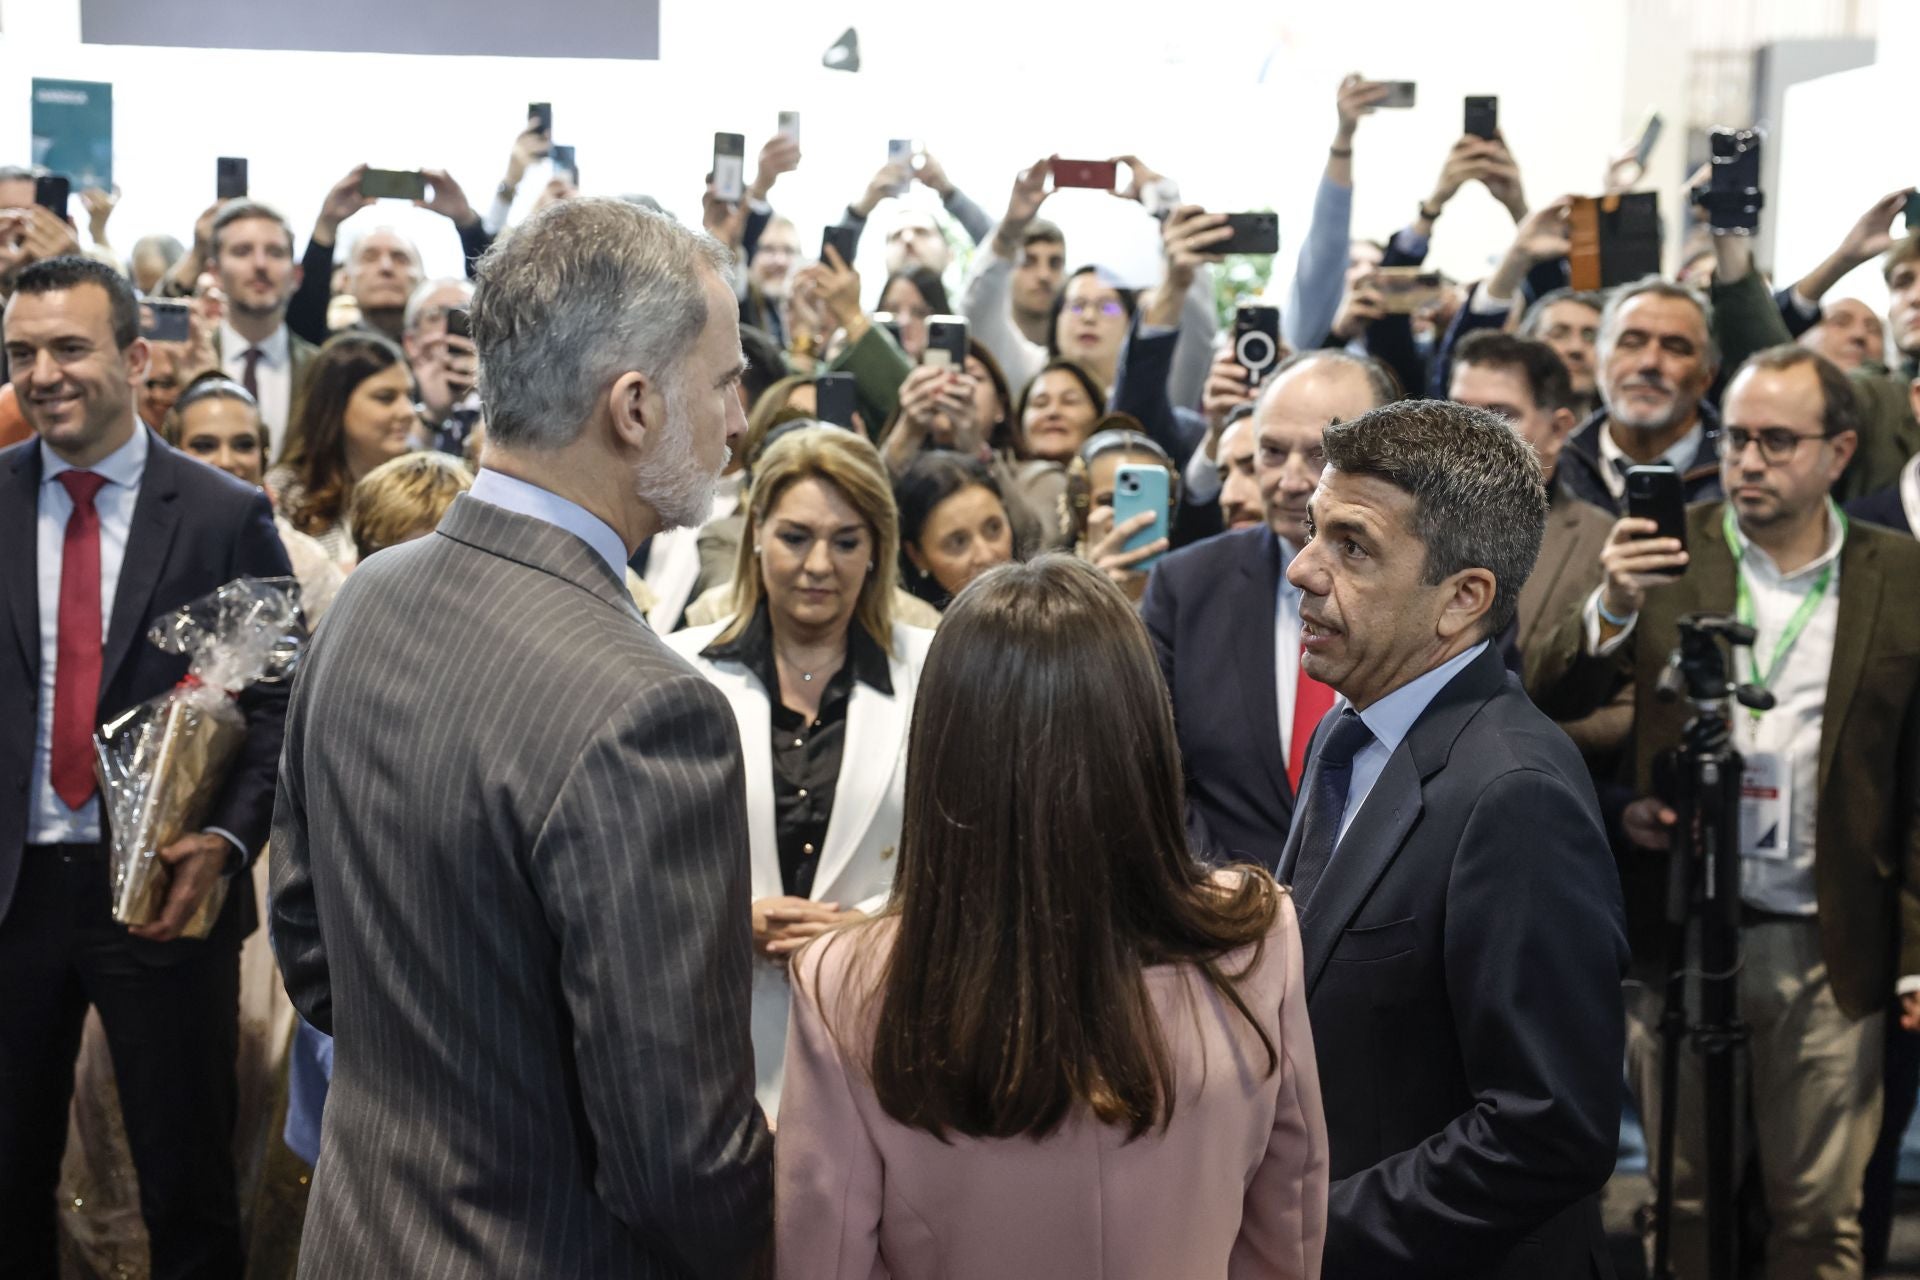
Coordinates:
1777	444
1111	308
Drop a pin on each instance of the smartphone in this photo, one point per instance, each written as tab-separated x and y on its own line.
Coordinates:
1732	197
1483	117
565	160
1649	135
1614	239
900	152
230	178
460	323
165	321
1404	290
541	115
51	191
1137	489
393	184
730	167
790	126
1655	493
843	240
1094	175
833	398
888	321
1400	94
1256	341
946	342
1913	213
1252	233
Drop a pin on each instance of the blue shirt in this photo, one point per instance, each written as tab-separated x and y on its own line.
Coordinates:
1391	719
49	821
512	494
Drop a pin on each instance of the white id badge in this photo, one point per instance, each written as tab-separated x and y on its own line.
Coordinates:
1764	808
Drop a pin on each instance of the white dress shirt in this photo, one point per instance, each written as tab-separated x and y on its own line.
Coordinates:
50	821
273	376
1614	460
1286	646
513	494
1391	719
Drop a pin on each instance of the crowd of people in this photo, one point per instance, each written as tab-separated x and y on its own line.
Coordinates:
763	789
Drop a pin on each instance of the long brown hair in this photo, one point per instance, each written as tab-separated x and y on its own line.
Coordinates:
1043	867
316	445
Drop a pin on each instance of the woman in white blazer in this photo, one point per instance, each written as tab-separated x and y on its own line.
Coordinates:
821	681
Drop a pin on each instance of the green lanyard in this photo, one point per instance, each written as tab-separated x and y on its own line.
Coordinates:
1743	597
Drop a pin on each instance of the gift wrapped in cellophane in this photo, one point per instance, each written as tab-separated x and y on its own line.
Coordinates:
161	764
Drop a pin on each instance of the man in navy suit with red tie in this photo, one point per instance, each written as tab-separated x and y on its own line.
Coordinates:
106	528
1226	622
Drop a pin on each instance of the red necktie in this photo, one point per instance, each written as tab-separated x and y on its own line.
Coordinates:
76	674
1311	701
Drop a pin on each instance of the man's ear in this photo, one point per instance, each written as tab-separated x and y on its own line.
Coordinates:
1913	396
635	407
1469	596
139	357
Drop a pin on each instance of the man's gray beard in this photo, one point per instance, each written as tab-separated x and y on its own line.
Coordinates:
1679	414
672	481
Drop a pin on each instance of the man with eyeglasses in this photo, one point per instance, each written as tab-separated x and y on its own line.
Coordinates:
1830	832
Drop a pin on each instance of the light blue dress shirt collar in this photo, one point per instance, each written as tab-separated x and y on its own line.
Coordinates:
510	493
122	467
1391	719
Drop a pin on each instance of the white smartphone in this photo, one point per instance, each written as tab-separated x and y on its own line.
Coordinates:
730	167
790	126
900	151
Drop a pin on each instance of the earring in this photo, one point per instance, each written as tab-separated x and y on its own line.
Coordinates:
756	548
869	566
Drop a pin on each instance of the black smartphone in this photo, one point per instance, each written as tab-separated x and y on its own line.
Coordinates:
1483	117
230	178
888	321
1649	135
51	191
1256	341
1615	239
541	115
843	241
1655	493
730	167
1400	95
459	323
1913	213
946	342
393	184
1252	233
1732	196
164	321
565	161
833	399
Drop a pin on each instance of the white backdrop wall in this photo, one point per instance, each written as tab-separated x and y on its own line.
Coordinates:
1233	98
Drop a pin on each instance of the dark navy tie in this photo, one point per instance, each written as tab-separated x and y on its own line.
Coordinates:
1331	772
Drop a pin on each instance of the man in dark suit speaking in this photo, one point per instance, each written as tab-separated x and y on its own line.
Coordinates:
513	884
1460	913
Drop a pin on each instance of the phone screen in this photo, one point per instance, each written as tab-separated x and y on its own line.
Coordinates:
541	114
900	153
163	321
230	178
565	161
1483	117
393	184
833	399
730	166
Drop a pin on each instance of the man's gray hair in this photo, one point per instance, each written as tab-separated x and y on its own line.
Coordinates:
1479	501
353	245
582	292
1658	287
417	300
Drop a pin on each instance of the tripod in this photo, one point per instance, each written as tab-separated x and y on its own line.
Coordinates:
1703	885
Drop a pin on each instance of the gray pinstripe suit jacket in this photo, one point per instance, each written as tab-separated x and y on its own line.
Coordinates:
510	876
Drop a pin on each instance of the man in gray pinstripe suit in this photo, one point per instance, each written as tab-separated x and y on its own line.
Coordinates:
510	845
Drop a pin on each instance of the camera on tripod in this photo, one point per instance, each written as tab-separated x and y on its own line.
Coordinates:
1732	197
1697	669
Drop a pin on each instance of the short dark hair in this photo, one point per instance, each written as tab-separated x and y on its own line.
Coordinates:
1539	364
1839	407
1903	250
242	210
70	271
1535	318
927	283
1040	231
1479	501
928	481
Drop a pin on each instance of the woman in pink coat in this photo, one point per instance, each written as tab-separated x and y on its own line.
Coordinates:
1065	1049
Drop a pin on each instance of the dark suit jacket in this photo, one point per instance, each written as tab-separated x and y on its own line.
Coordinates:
1867	867
1209	608
514	887
194	529
300	354
1884	508
1464	952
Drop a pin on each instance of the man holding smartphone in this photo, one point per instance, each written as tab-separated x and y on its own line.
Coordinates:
1829	836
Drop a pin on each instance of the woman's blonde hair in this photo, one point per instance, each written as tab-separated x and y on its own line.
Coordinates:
852	466
404	497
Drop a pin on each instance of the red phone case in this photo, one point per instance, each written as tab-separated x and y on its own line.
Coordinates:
1097	175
